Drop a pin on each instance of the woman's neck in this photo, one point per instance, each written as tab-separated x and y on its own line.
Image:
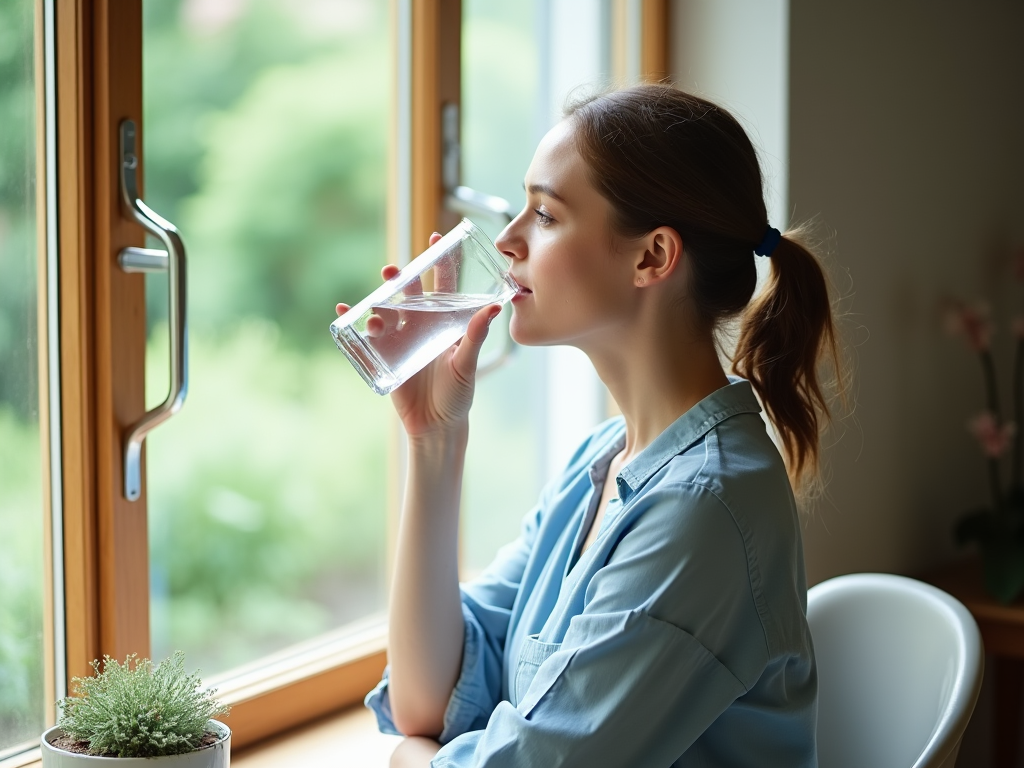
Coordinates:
655	377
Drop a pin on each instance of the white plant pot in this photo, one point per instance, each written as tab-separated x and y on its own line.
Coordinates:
217	755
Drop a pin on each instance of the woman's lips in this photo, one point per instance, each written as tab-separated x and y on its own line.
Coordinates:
522	293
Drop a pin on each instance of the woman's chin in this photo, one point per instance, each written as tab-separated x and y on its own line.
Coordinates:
524	336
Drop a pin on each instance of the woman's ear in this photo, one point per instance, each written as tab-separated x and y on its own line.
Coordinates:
663	252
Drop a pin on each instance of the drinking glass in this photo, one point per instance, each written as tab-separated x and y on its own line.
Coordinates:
424	309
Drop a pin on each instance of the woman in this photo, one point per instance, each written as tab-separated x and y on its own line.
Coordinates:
652	613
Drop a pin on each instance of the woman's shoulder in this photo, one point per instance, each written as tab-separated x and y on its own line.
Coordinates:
724	508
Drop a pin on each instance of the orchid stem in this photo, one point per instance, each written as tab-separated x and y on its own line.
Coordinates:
1018	409
994	481
992	394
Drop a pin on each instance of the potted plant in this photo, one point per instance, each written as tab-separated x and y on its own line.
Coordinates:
136	714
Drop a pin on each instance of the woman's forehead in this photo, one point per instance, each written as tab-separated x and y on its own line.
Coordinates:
556	163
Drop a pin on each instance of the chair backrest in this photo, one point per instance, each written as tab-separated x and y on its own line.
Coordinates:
899	670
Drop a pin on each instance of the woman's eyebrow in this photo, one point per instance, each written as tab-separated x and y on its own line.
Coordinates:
543	189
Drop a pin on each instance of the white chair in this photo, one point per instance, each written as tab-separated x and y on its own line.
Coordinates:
899	669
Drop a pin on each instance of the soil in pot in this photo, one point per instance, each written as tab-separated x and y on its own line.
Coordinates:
82	747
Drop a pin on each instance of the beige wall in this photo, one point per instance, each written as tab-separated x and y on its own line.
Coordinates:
905	123
906	127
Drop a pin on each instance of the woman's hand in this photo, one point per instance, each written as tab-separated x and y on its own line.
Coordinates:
438	398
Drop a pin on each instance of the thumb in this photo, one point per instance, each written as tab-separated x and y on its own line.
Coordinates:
468	352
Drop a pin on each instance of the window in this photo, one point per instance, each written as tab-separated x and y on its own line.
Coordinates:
297	146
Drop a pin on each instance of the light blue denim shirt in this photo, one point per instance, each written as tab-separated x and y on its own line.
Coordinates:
678	638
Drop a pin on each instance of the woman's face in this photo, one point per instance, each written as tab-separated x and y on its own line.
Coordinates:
576	284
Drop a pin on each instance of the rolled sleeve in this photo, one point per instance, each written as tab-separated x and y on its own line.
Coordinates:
478	688
475	694
380	703
486	612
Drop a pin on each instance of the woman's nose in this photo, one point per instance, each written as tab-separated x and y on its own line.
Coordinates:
509	243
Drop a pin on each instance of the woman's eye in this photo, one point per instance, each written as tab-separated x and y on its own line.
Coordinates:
542	218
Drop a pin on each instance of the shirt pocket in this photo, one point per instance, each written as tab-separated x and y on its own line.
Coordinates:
531	656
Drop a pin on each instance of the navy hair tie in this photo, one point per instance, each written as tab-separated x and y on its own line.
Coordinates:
768	242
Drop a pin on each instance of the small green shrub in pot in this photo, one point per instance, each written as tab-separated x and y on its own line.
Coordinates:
137	713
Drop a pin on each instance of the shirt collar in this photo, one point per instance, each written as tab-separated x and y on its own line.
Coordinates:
736	397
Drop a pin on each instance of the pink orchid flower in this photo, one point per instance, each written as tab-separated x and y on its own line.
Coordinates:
973	323
994	438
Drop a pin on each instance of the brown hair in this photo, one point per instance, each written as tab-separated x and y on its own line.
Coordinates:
666	158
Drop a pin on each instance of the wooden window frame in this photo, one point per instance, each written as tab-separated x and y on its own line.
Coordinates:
655	23
645	23
102	350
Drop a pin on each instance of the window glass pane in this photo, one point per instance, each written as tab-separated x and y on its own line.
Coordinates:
21	493
519	62
265	132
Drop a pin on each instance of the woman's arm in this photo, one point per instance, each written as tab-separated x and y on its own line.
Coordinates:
425	634
425	616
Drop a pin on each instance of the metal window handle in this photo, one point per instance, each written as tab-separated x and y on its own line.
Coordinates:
171	261
468	202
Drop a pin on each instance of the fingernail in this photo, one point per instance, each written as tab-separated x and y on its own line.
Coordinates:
491	318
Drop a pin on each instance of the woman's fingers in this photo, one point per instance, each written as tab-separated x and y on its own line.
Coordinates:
415	287
445	272
341	309
446	276
375	326
468	351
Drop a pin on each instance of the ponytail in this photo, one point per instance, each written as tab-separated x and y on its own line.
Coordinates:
786	333
662	157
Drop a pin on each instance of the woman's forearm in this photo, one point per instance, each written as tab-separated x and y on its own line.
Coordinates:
425	616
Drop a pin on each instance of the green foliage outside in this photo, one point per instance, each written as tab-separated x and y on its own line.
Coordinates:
17	210
21	582
21	525
137	709
266	144
266	522
267	147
